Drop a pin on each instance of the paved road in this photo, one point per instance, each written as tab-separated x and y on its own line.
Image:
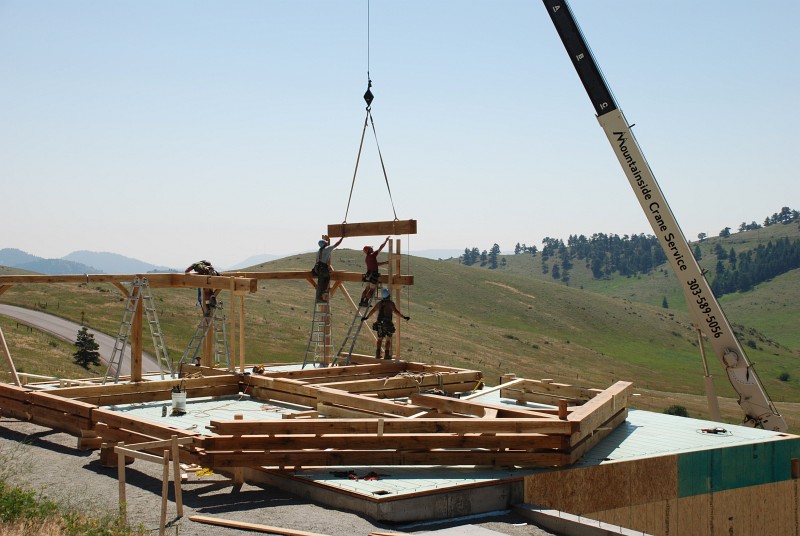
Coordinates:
66	330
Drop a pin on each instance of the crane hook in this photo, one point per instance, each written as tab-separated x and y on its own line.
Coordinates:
368	96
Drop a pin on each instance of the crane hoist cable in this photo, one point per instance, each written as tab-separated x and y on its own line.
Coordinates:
368	120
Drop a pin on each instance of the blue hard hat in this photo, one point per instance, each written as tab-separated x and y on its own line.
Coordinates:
385	293
322	243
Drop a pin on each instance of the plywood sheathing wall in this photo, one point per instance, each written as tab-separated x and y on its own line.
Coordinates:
676	495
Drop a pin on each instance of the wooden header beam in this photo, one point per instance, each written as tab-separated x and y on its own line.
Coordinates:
373	228
240	284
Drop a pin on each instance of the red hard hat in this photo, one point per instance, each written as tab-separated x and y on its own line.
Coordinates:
367	249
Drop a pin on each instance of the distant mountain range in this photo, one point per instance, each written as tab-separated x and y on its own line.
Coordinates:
96	262
78	262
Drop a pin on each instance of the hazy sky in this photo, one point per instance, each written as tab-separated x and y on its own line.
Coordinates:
179	130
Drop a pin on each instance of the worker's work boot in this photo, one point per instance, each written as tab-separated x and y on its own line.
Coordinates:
378	353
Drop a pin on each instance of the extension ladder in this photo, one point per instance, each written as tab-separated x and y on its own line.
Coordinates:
320	343
140	291
215	322
353	331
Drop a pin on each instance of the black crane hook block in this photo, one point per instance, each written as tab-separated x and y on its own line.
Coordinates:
368	96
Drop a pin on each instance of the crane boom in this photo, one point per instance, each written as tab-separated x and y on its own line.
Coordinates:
704	308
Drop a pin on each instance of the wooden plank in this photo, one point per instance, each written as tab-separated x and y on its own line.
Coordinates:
399	426
342	398
403	392
240	284
599	410
14	392
416	381
493	389
553	389
600	433
117	420
288	385
264	394
58	420
250	526
16	409
386	441
146	386
161	443
115	435
57	403
154	396
138	455
373	228
383	457
413	366
333	411
455	405
390	367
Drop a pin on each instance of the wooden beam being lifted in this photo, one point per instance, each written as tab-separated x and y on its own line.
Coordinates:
373	228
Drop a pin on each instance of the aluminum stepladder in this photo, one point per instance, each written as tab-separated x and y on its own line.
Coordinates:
354	330
140	291
320	343
214	321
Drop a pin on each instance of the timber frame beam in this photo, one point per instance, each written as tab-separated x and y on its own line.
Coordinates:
240	284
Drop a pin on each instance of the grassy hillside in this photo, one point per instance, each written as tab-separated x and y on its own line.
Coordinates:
497	321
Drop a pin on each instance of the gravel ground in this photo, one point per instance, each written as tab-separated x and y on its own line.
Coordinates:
41	459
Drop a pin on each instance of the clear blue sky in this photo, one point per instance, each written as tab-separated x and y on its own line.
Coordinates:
173	131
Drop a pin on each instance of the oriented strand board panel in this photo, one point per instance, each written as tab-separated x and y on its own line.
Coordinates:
693	516
769	509
604	487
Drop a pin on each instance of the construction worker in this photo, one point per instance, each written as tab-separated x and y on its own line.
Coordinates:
372	277
322	269
202	268
384	327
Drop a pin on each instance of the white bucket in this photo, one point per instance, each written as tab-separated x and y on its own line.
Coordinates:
179	402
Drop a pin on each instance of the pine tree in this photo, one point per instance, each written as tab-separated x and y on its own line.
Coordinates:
87	353
493	253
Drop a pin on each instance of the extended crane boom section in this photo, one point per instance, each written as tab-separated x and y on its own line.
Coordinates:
704	308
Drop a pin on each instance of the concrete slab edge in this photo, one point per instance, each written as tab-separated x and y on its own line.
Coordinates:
570	524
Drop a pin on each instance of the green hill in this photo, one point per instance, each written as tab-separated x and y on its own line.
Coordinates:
512	319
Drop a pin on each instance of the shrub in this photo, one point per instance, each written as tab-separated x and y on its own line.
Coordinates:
675	409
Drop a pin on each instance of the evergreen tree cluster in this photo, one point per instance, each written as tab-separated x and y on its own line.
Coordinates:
474	256
606	254
785	216
519	249
740	273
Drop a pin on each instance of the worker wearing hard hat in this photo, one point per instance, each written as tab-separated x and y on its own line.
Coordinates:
322	269
384	327
372	277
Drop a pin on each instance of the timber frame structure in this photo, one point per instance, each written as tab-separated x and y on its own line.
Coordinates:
367	412
372	412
